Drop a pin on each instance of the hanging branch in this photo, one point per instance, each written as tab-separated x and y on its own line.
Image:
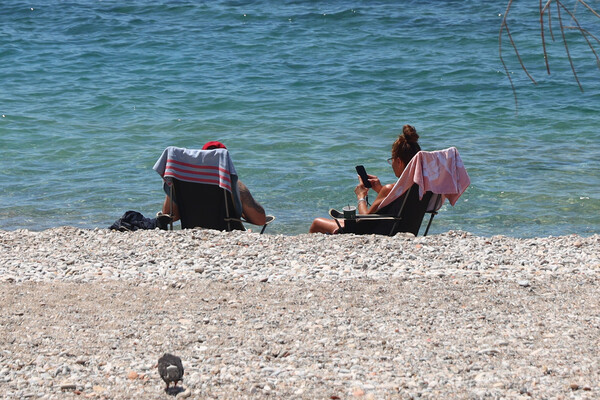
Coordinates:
562	31
502	26
512	42
512	85
585	33
546	7
543	39
549	23
589	8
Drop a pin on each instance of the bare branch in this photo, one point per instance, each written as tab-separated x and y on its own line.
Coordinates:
512	42
589	8
502	26
562	30
550	25
518	55
543	39
546	6
585	33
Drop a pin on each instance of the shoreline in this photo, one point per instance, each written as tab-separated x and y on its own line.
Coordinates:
86	314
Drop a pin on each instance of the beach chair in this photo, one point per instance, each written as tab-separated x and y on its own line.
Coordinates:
203	185
427	181
405	214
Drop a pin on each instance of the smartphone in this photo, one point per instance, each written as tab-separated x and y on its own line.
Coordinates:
360	170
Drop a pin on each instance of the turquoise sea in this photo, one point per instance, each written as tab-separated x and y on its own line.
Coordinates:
92	91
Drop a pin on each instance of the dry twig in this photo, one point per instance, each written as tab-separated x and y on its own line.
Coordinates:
546	8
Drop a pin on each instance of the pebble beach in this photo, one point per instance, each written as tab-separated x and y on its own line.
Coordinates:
87	313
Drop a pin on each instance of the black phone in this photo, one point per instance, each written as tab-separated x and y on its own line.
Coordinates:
360	170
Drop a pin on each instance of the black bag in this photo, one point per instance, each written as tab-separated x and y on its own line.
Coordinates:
132	221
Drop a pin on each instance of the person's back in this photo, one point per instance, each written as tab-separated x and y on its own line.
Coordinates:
250	209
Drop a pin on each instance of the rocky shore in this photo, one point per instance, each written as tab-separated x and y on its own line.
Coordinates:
87	313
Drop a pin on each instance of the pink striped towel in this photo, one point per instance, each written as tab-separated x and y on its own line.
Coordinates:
203	166
441	172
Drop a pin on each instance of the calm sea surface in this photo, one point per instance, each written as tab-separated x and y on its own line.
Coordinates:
91	92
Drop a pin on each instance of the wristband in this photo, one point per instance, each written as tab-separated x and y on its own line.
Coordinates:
363	199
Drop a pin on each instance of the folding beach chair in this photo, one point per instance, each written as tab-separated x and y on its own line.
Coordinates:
203	185
405	214
427	181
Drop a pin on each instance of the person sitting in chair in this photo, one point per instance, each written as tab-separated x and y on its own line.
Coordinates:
252	211
403	150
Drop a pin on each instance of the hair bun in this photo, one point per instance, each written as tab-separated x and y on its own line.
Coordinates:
410	133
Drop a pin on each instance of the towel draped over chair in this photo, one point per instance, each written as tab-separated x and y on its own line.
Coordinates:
441	172
213	167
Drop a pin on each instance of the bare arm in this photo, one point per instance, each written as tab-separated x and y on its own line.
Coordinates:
361	193
383	192
166	209
251	210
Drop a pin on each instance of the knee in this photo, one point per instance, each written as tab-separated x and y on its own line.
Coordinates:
313	226
321	225
316	226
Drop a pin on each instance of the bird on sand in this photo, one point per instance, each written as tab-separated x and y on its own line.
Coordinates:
170	369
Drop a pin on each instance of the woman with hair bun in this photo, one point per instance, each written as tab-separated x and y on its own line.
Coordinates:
403	150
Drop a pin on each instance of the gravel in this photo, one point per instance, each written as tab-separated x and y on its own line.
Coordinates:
87	314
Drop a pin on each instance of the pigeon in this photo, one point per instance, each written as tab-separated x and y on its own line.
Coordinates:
170	369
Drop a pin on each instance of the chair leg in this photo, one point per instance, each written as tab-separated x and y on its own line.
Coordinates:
227	211
171	205
429	224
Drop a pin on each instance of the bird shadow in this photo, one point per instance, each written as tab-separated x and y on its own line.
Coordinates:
174	391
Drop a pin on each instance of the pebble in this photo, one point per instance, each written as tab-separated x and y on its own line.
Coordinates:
281	258
87	313
132	375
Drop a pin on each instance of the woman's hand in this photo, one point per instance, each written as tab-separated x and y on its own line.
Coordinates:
375	183
360	190
361	194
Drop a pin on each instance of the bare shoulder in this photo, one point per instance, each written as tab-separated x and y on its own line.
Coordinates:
385	190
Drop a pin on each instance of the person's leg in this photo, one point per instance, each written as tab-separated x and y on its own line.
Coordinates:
324	225
166	209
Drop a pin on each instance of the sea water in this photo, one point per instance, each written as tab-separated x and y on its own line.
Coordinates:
92	91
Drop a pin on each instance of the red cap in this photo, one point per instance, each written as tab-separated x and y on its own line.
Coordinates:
213	145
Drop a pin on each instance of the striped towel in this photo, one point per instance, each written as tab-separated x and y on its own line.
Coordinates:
203	166
213	167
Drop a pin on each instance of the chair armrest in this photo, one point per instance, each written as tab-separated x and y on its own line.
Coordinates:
335	214
268	220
